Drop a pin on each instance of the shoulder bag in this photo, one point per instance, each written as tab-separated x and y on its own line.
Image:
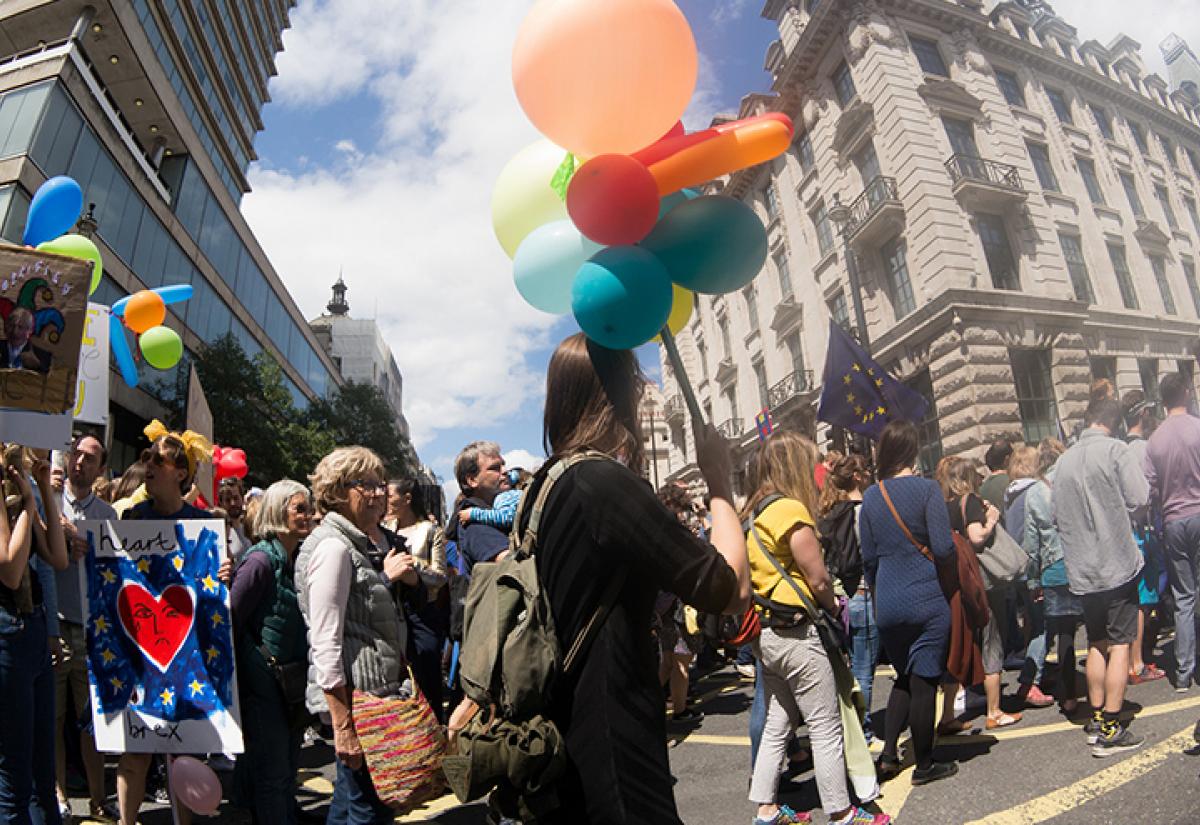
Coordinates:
1003	560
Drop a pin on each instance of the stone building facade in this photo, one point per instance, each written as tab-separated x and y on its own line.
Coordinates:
1019	206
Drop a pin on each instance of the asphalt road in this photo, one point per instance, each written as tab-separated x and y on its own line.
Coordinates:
1038	771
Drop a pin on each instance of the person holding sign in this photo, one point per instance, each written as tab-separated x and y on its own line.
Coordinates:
170	464
26	673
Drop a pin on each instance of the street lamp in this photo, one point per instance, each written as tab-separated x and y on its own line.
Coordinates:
840	215
87	225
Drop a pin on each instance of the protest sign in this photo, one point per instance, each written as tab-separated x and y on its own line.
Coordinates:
159	637
199	420
91	397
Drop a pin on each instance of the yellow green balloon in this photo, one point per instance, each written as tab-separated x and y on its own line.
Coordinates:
77	246
161	347
523	198
681	310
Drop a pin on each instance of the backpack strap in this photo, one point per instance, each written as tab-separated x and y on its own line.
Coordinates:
924	550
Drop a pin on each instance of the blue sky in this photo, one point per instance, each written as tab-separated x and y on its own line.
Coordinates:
332	127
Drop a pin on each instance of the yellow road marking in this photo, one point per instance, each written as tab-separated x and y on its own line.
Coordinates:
1057	727
1067	799
438	805
895	793
318	784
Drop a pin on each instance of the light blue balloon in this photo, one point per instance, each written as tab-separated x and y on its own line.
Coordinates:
674	199
622	297
546	262
713	244
53	211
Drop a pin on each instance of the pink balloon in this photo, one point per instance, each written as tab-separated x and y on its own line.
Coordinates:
195	785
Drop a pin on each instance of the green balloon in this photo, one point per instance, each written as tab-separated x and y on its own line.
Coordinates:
161	347
77	246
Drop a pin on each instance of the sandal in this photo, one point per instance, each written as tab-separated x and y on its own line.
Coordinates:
1149	673
1003	720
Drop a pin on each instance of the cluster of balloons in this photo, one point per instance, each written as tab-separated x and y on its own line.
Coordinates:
228	462
53	211
625	243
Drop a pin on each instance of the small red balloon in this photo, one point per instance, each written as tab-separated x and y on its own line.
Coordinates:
613	200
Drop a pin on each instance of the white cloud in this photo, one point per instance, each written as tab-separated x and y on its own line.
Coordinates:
706	99
1103	20
407	217
523	459
727	11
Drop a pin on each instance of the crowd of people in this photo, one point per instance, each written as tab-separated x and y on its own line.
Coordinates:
827	565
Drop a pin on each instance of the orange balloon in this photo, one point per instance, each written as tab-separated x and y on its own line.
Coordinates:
144	310
730	147
604	76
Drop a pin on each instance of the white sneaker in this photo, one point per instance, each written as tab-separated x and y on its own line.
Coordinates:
745	671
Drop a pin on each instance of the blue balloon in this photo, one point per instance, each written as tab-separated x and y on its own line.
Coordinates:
713	244
53	211
674	199
546	262
622	297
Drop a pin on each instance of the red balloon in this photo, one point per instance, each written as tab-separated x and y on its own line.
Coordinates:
613	200
229	462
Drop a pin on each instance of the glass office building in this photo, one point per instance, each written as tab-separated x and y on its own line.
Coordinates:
153	106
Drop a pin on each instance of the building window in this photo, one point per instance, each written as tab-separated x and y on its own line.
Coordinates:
1168	151
962	137
843	84
1192	159
751	307
1189	275
1060	105
1035	393
702	353
1190	205
895	267
723	326
867	162
1131	193
1087	170
1103	121
803	148
998	251
1081	283
1164	286
785	274
1011	88
1164	200
1040	156
760	377
796	353
929	56
1103	368
1148	373
929	428
731	399
839	312
1116	254
708	416
771	201
1139	137
1187	366
820	219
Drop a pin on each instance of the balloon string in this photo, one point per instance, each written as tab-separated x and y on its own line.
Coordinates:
681	377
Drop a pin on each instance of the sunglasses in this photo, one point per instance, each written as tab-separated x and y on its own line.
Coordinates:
157	459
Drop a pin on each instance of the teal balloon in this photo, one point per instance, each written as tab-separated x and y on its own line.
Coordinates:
712	244
674	199
546	262
622	297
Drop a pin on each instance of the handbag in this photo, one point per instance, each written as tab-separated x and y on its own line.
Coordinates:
1003	560
403	746
292	678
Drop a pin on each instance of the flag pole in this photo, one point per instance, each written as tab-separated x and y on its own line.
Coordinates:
681	377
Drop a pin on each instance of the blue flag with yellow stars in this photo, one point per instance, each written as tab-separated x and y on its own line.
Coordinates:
858	394
159	636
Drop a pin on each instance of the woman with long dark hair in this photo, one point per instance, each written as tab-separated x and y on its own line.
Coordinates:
905	534
601	521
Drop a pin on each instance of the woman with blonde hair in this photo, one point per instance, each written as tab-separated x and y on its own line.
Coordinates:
800	676
356	634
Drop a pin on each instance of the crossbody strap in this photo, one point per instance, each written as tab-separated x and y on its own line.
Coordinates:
924	550
809	607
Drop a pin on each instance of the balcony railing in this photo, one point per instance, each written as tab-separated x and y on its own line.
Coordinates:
879	191
731	429
980	170
796	383
674	407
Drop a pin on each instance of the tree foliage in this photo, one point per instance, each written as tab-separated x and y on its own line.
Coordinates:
253	409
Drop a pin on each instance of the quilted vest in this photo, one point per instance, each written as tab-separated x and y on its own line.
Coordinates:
278	620
373	635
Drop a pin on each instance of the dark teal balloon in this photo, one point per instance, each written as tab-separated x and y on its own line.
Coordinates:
621	297
713	244
675	199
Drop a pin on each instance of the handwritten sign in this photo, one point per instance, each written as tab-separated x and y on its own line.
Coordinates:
159	637
91	396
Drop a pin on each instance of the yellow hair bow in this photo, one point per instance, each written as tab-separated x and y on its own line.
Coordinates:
196	447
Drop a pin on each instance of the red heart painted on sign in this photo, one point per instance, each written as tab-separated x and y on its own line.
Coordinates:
158	625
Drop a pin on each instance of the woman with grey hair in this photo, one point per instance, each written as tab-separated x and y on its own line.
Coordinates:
269	637
356	633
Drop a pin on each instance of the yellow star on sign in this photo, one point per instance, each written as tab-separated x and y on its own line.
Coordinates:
211	654
196	688
858	410
847	379
177	562
857	367
216	619
108	576
100	624
116	683
881	410
870	370
210	584
143	565
849	398
167	696
879	382
107	655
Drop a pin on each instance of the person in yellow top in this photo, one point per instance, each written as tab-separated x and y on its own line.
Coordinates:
799	677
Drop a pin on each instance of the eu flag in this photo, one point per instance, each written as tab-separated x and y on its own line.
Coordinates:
858	394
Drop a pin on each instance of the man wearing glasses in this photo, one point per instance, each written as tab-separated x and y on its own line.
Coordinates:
479	469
